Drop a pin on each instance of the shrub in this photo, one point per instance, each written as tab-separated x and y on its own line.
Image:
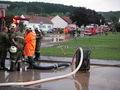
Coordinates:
117	26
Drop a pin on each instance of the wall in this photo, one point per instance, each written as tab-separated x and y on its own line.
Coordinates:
58	22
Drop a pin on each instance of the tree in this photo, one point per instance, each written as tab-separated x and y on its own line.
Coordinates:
113	18
85	16
117	26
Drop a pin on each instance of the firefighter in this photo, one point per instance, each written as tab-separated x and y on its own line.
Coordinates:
39	34
30	45
16	45
3	47
65	31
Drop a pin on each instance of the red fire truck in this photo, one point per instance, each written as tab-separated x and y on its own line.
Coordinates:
90	30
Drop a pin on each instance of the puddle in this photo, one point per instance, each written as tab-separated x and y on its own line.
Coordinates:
54	39
57	38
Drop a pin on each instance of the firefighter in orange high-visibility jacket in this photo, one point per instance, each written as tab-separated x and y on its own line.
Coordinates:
30	44
39	36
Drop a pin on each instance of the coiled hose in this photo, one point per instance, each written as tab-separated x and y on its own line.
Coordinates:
46	79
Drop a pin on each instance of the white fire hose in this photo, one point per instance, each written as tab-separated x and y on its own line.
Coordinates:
46	79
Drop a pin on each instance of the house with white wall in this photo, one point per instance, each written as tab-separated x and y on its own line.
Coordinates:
61	22
43	22
48	23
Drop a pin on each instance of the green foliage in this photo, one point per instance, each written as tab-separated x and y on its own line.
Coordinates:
18	8
8	21
114	16
83	16
117	26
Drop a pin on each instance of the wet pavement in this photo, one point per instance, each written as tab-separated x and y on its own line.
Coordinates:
97	78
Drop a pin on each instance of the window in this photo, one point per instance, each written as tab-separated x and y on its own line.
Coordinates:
42	26
49	27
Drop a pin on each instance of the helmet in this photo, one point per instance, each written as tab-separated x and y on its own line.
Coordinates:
27	27
36	27
13	25
30	28
13	49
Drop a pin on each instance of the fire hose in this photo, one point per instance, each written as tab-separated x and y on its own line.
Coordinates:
46	79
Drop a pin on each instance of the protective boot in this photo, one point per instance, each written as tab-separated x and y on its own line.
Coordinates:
18	66
12	66
3	66
37	56
31	62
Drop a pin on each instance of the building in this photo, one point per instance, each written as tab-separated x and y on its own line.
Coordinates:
49	23
61	22
43	22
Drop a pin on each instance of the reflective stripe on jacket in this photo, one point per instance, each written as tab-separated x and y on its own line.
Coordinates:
30	44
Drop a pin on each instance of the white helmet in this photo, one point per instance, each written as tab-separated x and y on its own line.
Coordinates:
27	28
30	28
13	49
36	27
13	25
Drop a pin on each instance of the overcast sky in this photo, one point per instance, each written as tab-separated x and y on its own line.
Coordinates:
97	5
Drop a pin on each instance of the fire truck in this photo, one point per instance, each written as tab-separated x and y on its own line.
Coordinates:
90	30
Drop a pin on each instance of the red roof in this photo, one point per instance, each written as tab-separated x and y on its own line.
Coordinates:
38	19
67	19
50	17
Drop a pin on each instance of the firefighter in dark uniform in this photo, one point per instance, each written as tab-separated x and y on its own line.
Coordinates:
3	47
39	35
16	43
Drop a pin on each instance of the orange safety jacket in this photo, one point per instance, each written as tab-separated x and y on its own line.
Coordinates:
65	31
30	44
